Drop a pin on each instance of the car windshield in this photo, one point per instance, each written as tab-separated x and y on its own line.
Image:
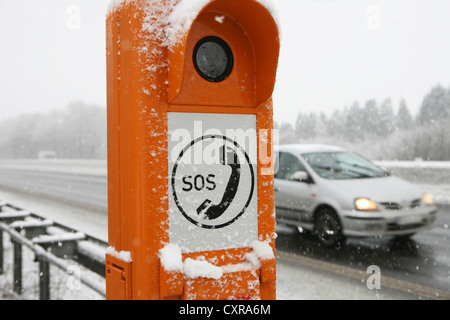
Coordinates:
342	165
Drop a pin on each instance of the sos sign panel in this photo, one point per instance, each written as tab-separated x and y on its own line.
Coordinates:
213	177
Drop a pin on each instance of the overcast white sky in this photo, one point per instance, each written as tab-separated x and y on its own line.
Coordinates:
333	53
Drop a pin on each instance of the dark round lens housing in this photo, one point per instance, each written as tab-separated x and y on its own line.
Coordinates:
213	59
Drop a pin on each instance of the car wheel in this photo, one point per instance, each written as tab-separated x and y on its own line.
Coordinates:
328	229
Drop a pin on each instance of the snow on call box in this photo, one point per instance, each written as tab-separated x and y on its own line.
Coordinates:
213	202
184	78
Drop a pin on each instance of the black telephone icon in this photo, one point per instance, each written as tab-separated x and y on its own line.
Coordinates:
228	156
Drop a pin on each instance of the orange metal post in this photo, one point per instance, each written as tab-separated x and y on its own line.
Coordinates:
151	82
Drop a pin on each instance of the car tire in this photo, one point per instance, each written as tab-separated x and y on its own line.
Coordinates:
327	228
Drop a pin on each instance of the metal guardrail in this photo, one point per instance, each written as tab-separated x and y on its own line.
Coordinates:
52	243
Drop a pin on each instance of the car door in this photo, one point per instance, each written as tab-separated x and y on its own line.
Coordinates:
292	197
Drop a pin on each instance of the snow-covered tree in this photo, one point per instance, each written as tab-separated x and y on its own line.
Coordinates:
435	106
404	118
386	118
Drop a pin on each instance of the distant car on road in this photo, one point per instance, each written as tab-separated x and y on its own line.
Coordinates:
336	193
46	155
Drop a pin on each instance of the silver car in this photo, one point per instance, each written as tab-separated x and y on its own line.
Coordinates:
336	193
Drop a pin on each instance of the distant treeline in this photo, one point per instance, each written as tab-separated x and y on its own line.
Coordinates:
377	131
372	129
76	132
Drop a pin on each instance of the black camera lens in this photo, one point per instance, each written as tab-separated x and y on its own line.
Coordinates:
213	59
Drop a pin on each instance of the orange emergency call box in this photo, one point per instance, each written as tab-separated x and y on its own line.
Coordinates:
190	171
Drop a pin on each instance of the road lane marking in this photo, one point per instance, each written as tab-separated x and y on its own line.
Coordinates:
362	275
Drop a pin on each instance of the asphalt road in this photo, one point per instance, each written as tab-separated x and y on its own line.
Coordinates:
423	260
81	189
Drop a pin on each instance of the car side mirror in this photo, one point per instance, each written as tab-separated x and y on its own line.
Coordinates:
301	176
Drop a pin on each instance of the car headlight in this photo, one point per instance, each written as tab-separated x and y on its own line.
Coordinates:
427	199
364	204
